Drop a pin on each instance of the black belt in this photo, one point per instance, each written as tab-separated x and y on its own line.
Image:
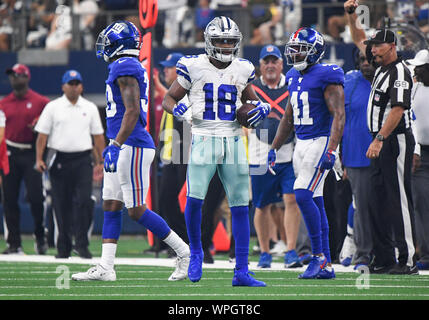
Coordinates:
72	155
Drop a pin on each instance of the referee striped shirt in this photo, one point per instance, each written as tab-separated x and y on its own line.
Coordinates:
391	87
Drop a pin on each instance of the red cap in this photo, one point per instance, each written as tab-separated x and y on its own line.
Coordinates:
19	69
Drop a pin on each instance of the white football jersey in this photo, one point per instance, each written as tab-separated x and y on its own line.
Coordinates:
214	94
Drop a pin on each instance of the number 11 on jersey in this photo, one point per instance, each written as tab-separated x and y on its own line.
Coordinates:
301	108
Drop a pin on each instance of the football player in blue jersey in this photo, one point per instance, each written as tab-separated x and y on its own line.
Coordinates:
128	157
316	108
217	84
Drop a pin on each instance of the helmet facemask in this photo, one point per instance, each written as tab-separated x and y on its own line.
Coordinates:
222	30
297	54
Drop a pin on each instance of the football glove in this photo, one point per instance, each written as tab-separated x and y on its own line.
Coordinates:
179	110
328	160
111	155
272	155
260	113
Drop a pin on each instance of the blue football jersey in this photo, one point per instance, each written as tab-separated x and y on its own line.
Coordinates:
311	115
115	109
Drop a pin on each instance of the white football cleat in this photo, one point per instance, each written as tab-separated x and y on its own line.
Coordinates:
95	273
181	271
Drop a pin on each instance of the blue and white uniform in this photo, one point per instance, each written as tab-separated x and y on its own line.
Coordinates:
130	182
312	121
214	96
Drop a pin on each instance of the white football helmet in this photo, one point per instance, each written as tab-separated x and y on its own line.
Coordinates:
222	29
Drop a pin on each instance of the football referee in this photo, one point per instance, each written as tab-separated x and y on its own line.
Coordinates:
391	154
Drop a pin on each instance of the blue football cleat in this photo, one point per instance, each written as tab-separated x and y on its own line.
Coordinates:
195	270
305	258
316	264
346	261
265	260
244	279
326	274
292	259
422	265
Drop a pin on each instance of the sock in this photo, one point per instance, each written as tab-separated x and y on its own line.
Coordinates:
108	253
154	223
193	215
311	215
241	233
177	244
350	217
324	226
112	225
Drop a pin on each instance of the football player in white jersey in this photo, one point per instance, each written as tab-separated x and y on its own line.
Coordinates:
217	84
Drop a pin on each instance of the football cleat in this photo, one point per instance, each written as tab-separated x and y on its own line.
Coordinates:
347	251
279	248
195	270
95	273
181	271
292	260
244	279
316	264
326	274
265	260
305	258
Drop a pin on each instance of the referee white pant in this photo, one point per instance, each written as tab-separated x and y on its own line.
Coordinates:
391	207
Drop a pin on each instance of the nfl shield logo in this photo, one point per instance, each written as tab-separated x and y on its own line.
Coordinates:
377	98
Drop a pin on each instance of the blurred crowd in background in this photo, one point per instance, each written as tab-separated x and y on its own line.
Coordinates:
74	24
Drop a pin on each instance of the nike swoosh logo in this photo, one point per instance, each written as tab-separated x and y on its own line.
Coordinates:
378	268
335	68
120	61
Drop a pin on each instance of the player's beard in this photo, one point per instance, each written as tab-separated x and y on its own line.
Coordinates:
19	86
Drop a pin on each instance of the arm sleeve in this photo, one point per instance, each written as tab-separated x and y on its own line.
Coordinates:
332	75
400	87
44	124
183	74
96	126
2	119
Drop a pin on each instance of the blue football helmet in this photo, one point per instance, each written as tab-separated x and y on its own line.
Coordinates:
118	39
305	47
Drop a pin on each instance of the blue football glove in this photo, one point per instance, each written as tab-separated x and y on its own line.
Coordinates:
179	110
272	155
260	113
111	155
328	160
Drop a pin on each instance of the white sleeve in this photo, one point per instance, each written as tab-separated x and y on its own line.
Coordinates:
183	74
96	126
2	119
44	124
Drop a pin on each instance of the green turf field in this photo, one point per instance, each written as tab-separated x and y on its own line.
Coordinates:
50	281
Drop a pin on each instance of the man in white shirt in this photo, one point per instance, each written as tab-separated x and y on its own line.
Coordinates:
420	177
67	126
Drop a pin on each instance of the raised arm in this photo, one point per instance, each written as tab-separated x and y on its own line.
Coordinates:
356	30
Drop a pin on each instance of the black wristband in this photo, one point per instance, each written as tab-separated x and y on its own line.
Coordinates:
351	10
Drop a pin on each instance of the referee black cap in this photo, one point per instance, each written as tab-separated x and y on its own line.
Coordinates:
381	36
